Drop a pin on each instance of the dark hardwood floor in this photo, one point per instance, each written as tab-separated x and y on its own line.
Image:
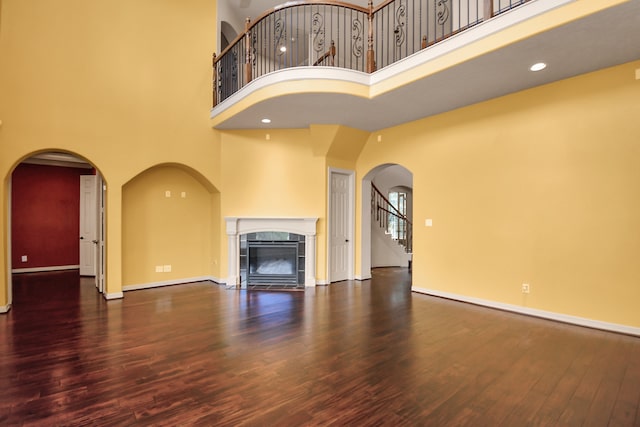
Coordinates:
353	353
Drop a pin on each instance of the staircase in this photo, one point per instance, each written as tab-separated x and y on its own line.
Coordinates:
391	232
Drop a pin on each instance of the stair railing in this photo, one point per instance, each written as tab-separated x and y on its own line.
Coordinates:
329	56
298	33
383	212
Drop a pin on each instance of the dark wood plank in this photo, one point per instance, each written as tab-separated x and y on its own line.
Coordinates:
353	353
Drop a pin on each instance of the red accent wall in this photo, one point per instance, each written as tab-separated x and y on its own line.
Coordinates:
45	215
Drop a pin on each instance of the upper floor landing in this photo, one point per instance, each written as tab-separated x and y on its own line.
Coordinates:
371	68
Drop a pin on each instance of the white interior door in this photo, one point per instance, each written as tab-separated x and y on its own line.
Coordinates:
88	228
340	239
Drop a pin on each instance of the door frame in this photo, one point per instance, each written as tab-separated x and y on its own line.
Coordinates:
58	159
350	219
100	232
8	260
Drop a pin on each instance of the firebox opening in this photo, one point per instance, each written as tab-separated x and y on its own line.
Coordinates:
272	259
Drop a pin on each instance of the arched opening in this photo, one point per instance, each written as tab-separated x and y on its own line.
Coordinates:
386	218
55	228
227	35
169	227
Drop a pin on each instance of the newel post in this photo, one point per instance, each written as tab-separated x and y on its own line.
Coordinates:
247	46
371	60
488	9
214	81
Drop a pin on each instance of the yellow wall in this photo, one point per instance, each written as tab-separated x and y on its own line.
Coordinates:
167	229
539	187
124	84
279	177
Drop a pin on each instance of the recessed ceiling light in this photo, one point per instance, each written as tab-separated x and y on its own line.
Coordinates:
266	121
538	66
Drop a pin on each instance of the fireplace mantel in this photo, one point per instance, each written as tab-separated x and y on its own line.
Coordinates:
243	225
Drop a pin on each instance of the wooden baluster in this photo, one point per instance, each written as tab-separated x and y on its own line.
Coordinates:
488	9
215	81
371	60
332	52
247	65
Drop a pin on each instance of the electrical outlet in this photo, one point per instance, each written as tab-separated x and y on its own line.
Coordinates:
525	288
24	258
167	268
158	269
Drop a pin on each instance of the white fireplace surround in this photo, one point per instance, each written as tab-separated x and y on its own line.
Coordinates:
243	225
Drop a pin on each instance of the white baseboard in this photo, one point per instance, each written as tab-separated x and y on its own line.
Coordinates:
42	269
559	317
170	282
5	308
363	278
322	282
114	295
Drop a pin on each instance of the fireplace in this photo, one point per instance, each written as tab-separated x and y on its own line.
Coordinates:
272	258
283	251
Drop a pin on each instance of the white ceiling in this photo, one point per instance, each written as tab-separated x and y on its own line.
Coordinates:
608	38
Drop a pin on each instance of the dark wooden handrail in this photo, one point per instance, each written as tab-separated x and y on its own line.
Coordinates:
287	5
397	213
244	57
382	210
402	217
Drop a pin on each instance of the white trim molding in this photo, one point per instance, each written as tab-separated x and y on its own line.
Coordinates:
243	225
43	269
169	283
113	295
5	308
549	315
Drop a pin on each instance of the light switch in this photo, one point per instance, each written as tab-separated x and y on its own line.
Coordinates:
167	268
167	193
24	258
158	269
183	194
428	223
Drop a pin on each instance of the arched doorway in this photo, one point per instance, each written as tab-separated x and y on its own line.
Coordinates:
56	219
227	35
386	218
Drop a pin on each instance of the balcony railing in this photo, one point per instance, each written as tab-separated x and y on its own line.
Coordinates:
333	33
